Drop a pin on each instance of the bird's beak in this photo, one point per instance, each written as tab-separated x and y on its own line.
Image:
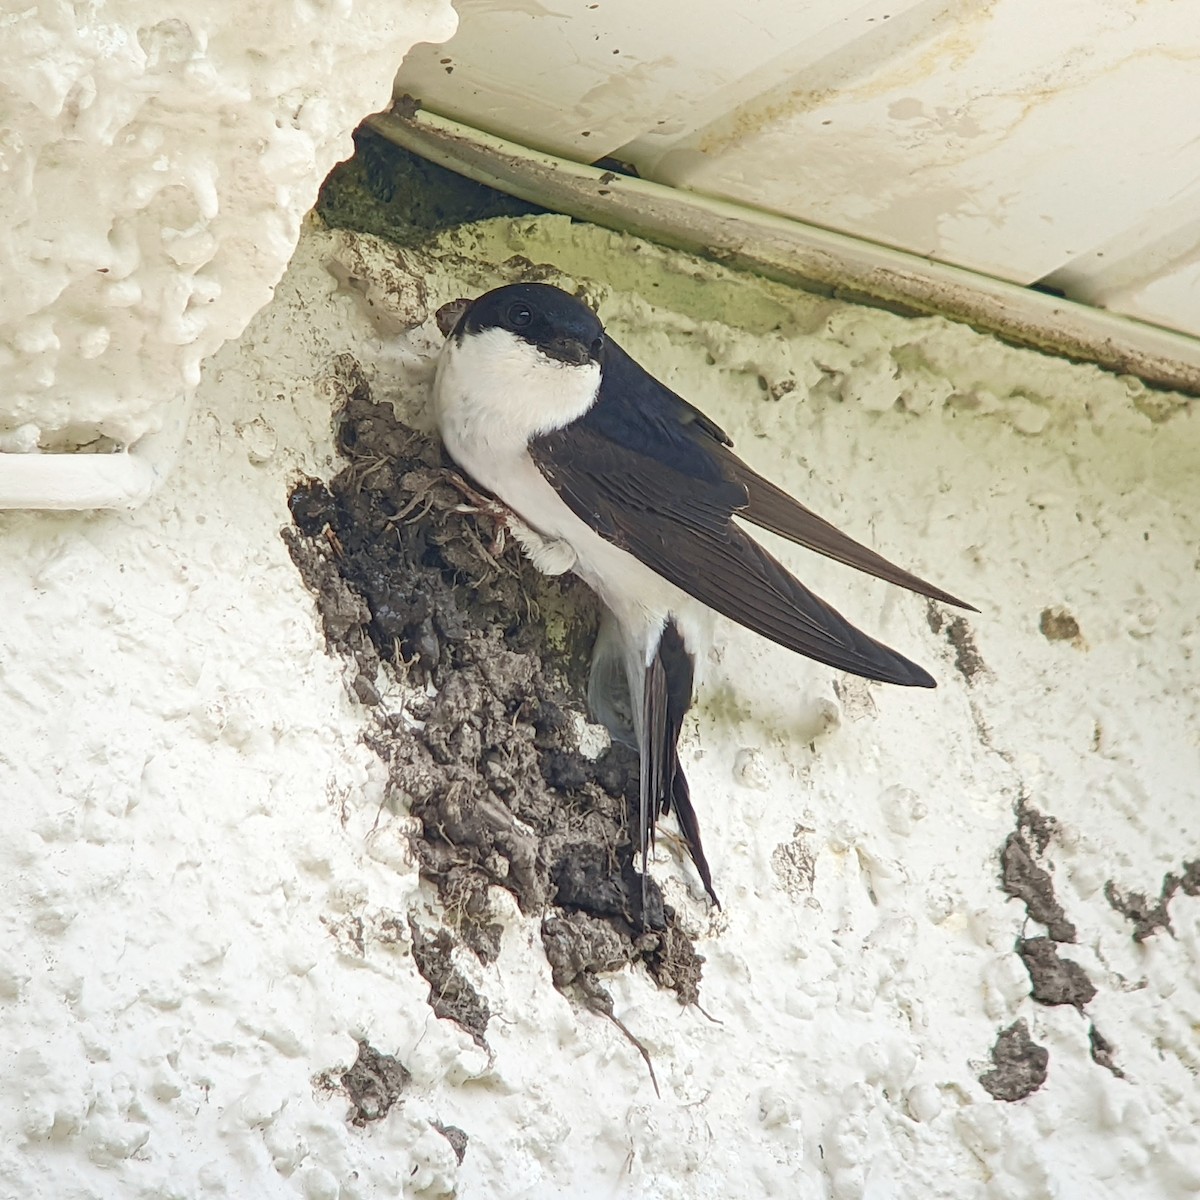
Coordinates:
569	350
449	315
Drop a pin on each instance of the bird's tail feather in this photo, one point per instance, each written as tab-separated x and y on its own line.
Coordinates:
666	697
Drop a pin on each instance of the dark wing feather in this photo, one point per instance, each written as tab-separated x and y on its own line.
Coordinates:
679	667
772	508
666	696
643	415
681	527
655	755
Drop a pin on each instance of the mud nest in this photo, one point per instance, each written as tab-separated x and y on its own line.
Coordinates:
474	666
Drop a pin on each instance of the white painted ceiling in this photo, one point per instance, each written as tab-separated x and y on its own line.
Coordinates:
1052	142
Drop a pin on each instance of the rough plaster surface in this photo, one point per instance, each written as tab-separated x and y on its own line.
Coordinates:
155	164
206	900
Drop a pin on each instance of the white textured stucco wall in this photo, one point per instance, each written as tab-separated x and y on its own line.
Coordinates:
155	164
203	898
200	887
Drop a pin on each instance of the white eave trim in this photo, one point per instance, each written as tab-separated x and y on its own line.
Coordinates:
804	255
78	481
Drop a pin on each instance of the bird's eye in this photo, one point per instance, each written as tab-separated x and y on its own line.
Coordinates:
519	316
597	346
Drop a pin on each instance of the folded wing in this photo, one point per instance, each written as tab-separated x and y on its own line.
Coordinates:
681	526
771	508
641	415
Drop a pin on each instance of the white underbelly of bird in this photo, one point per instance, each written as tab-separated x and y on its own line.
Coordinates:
613	476
557	541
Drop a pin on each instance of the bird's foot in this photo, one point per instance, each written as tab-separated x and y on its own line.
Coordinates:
479	504
551	556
